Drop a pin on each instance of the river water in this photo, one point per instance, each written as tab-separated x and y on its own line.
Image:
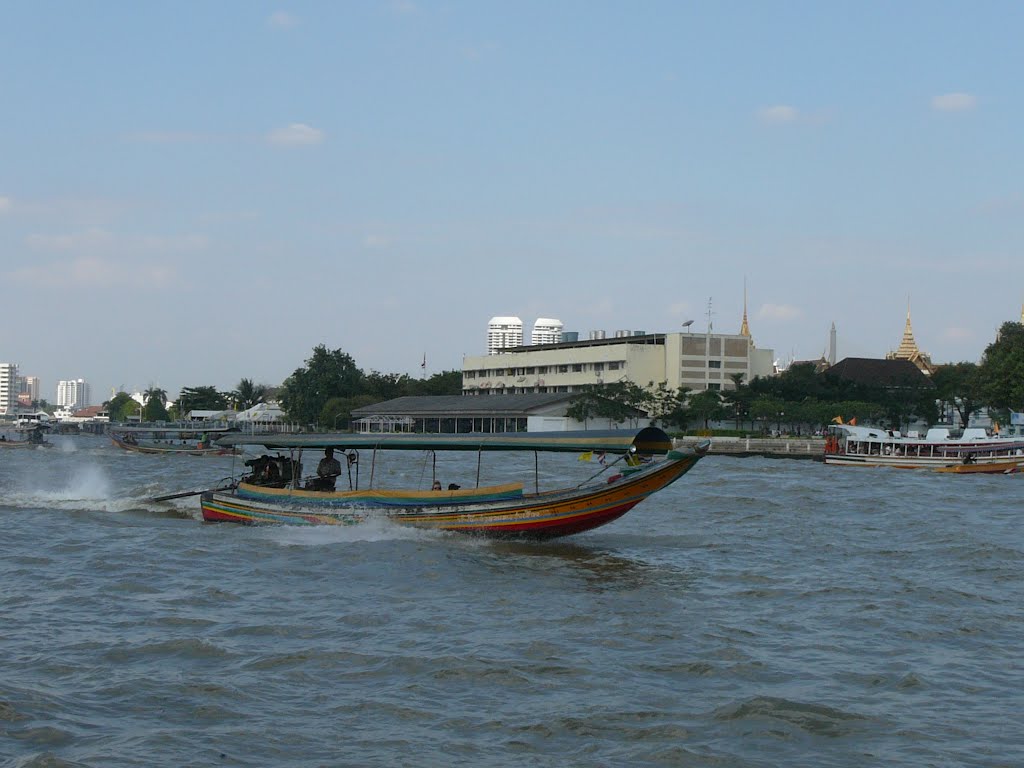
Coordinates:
757	613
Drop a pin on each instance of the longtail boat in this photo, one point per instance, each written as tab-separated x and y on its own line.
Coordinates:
502	511
170	441
34	439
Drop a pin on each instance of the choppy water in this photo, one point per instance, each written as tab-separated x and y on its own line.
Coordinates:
757	613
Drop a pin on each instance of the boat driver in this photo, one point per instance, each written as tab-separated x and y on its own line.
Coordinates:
327	471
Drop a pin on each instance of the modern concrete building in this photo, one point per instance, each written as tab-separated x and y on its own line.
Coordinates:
73	393
546	331
8	388
504	332
699	361
30	387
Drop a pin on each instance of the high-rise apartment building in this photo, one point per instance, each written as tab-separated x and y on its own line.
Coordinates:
29	385
504	332
8	388
546	331
73	393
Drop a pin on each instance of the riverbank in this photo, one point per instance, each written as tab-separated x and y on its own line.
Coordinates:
769	447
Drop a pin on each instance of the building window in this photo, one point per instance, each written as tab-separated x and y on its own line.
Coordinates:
614	366
714	386
714	363
577	367
598	367
563	369
542	369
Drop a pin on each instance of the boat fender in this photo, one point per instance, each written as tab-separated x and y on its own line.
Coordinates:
353	459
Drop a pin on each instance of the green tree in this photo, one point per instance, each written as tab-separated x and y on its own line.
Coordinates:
443	383
200	399
738	399
1002	369
336	414
247	394
959	385
155	408
326	374
615	401
706	406
121	407
767	410
669	406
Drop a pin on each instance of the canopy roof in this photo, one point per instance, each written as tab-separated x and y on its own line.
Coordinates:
647	440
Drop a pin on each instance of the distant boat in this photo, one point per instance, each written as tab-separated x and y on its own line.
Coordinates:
502	511
34	438
973	452
181	441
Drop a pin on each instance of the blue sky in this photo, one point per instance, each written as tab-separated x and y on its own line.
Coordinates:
196	192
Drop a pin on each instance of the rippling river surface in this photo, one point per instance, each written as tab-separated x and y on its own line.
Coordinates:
756	613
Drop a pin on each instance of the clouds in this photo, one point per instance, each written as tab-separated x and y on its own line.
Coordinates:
954	102
296	134
95	241
778	115
5	204
282	20
780	312
94	272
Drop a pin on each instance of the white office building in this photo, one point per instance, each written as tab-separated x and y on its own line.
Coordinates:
8	388
504	332
698	361
546	331
73	394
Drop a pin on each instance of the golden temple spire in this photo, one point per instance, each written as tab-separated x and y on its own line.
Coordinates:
908	347
744	327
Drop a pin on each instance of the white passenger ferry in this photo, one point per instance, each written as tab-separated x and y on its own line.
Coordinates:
973	451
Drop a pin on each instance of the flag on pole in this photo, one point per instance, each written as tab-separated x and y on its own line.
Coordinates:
423	365
601	457
852	422
587	456
837	420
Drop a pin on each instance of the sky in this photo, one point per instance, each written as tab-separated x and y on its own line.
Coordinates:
193	193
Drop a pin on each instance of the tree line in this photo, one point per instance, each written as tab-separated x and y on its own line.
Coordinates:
322	393
799	398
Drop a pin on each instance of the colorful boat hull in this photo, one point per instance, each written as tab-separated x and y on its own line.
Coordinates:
532	516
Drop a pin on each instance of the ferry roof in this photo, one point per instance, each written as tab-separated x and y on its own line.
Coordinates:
646	440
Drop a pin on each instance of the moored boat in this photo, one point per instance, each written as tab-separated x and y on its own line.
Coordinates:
504	510
972	452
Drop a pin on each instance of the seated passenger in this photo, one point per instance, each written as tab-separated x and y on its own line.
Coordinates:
327	471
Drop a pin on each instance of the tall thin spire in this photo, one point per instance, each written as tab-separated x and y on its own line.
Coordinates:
744	327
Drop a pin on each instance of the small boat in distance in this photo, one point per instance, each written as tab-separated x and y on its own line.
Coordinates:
973	452
35	437
501	511
181	441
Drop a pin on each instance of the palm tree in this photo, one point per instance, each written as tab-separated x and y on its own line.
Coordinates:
247	394
157	393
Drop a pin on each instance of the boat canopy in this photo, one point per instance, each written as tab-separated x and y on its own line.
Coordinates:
649	440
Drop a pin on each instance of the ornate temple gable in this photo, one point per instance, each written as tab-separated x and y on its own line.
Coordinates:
908	350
